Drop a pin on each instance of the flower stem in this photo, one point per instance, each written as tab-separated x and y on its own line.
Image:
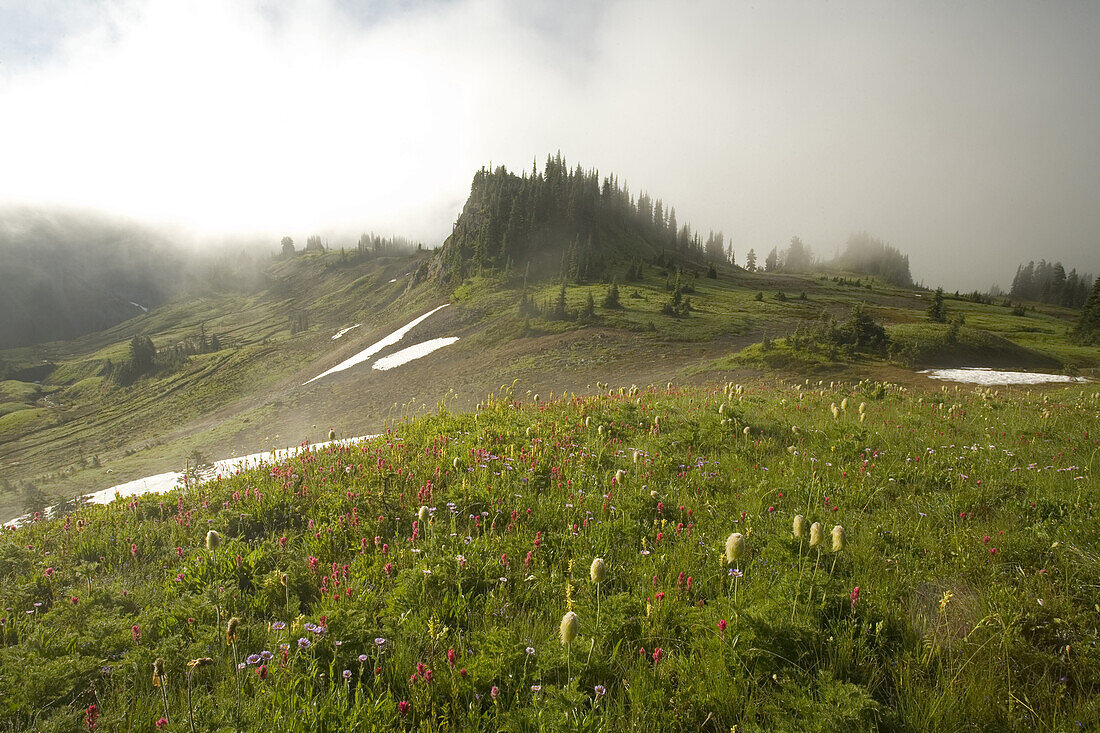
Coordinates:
190	710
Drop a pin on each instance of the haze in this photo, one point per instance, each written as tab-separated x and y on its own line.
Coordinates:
963	134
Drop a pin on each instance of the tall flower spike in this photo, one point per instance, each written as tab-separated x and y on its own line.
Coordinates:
799	527
570	626
423	514
815	534
598	571
213	539
735	547
838	538
231	630
158	671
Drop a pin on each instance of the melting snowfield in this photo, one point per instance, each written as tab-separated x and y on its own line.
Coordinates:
991	377
406	355
164	482
342	331
377	346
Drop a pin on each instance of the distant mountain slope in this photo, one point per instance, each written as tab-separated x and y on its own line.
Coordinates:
64	274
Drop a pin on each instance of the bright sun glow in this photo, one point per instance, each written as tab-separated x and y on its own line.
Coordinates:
263	129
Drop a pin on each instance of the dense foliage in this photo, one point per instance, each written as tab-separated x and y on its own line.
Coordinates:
1047	282
561	221
867	255
1088	328
424	579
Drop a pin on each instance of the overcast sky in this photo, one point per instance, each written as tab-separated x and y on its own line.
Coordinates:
965	134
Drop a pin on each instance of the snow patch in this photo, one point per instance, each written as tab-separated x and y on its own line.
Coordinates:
990	377
377	346
164	482
342	331
139	305
406	355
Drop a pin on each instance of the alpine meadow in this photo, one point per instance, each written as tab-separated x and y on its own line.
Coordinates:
303	428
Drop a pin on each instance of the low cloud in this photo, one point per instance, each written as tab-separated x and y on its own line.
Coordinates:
963	135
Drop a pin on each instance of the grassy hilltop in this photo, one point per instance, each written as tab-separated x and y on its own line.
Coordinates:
964	594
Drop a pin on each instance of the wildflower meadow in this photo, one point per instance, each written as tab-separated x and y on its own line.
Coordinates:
769	556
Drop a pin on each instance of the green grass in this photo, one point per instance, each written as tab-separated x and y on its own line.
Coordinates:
8	407
779	357
18	423
970	534
12	390
929	344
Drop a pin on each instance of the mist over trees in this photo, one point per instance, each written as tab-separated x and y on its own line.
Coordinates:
64	273
1048	282
562	219
798	257
391	246
868	255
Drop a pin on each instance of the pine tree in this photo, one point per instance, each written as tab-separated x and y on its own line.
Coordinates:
1088	328
937	311
799	258
771	262
611	300
750	261
561	310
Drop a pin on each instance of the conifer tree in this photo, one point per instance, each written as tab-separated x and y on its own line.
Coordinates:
771	262
1088	328
937	311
